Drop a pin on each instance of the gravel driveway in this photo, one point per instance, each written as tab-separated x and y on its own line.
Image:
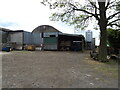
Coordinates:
55	69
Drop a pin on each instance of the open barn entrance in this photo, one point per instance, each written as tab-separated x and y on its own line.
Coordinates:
70	42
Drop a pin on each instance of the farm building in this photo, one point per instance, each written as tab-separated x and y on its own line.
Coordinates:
45	37
19	38
89	37
16	39
52	39
4	37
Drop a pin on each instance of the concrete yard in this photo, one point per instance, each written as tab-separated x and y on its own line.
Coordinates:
56	69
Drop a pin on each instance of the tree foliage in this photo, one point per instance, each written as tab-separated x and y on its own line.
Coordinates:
80	14
114	38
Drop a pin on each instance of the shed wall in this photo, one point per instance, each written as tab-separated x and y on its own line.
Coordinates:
50	40
0	40
16	37
3	37
50	47
27	38
36	38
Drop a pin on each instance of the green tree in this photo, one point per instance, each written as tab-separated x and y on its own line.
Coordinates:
73	12
114	39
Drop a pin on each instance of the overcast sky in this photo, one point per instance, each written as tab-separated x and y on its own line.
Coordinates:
28	14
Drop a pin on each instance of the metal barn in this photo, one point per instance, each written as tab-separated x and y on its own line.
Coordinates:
45	36
52	39
18	39
4	37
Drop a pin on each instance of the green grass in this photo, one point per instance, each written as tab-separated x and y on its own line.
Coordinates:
109	68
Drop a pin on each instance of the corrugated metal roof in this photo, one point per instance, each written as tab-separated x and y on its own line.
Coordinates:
4	29
45	28
18	31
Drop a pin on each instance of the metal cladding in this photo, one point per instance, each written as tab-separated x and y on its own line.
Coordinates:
89	36
46	37
27	38
36	38
53	39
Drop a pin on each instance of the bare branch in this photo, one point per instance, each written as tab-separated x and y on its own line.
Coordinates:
72	5
88	17
112	6
96	16
110	17
85	19
93	4
68	11
113	22
95	7
108	4
113	25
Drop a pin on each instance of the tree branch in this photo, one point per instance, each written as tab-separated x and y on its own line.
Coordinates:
67	12
114	25
96	8
88	17
93	4
84	19
112	6
96	16
72	5
108	4
113	22
110	17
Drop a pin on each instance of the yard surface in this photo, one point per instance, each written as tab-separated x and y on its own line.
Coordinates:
55	69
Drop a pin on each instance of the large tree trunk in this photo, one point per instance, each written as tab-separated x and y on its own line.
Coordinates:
103	29
103	46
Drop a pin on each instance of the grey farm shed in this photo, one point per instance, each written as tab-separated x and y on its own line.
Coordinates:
16	39
53	39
